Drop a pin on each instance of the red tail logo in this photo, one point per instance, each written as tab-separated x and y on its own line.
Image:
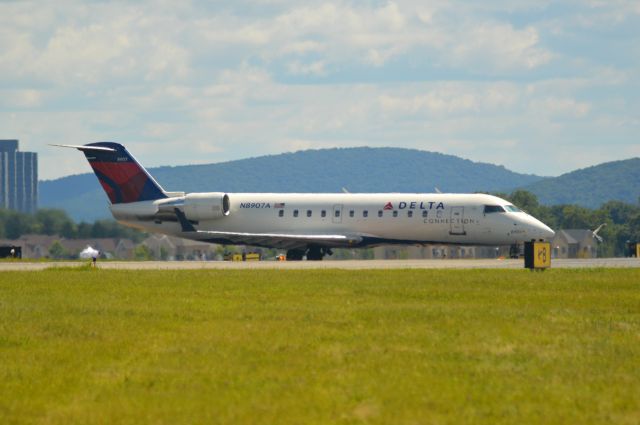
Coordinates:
388	206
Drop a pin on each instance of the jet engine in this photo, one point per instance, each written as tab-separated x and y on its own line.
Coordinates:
206	206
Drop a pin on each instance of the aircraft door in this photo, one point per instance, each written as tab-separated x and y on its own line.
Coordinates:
457	221
337	213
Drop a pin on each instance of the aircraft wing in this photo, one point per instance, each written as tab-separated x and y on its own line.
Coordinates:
278	240
271	240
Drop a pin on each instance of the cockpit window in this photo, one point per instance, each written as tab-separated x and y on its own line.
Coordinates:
512	208
488	209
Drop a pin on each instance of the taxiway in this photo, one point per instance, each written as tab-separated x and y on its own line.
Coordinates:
345	265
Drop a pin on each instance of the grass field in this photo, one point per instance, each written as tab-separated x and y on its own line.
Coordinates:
296	347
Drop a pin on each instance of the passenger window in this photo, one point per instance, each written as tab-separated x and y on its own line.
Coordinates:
365	213
295	213
379	213
489	209
395	213
351	213
323	213
424	213
308	213
336	213
281	213
409	214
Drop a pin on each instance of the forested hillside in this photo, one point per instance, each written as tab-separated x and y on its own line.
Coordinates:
591	187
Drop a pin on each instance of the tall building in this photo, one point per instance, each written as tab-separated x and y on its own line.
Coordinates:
18	178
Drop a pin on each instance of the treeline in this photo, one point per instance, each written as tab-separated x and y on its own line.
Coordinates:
56	222
622	220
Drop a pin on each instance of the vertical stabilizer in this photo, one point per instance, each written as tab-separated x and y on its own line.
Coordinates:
121	176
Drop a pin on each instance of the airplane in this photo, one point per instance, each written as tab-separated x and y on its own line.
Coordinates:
305	224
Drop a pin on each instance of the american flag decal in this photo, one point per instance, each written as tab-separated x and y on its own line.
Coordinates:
278	205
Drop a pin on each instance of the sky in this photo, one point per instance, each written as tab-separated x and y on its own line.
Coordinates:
538	86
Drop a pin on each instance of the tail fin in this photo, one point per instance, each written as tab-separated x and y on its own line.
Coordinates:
121	176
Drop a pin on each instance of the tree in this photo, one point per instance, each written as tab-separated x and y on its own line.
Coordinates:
525	200
142	253
56	250
56	222
617	211
17	225
52	221
575	217
84	230
68	230
99	230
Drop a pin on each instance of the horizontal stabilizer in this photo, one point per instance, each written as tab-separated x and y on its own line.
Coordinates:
86	148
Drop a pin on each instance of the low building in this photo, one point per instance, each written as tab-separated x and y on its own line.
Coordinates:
39	246
107	247
574	243
33	246
166	247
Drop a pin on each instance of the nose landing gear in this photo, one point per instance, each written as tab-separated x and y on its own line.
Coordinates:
514	251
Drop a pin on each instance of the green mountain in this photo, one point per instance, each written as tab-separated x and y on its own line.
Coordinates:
326	170
591	187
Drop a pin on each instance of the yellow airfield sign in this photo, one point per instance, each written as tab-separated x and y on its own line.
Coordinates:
537	255
541	255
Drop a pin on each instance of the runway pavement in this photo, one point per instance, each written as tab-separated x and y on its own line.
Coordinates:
346	264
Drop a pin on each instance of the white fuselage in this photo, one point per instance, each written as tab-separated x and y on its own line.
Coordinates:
380	218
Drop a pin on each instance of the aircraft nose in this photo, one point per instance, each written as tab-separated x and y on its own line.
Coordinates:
535	229
542	231
547	232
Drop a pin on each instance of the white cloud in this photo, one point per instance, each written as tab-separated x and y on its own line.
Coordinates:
498	46
19	99
195	82
314	68
560	107
449	99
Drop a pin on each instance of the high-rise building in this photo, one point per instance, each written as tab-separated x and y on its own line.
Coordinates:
18	178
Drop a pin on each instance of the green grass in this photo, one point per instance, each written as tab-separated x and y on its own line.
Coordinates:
326	346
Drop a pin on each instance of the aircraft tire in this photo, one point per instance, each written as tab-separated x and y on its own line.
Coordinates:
315	254
295	255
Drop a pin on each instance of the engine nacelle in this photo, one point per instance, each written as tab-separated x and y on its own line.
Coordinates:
206	206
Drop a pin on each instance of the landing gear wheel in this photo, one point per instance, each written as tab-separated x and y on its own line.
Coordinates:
295	254
315	253
514	251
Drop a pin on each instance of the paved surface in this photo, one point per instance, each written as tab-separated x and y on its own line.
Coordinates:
347	265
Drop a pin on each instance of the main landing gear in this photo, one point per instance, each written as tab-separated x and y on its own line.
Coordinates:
314	253
295	254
